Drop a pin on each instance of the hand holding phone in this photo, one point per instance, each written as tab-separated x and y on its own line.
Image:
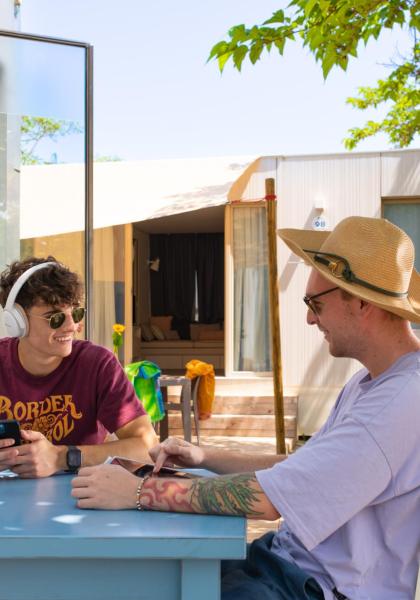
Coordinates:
9	429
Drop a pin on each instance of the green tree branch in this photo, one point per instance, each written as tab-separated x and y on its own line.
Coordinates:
333	31
34	129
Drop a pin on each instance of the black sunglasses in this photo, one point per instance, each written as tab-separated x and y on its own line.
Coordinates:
57	319
308	299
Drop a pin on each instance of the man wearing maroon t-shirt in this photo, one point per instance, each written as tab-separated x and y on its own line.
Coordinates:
67	394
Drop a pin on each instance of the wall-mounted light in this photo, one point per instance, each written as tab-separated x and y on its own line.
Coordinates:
154	264
17	4
319	222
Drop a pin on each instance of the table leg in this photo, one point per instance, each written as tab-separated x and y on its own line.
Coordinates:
163	424
200	579
186	409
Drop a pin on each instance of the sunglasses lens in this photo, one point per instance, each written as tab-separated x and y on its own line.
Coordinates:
57	319
78	314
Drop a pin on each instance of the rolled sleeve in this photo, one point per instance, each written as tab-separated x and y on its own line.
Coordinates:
323	485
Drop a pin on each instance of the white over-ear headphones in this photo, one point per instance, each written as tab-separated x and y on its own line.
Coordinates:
14	316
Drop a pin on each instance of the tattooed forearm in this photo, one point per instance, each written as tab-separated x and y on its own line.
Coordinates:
162	493
229	494
238	494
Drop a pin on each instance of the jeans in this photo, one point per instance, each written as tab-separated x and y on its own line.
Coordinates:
265	576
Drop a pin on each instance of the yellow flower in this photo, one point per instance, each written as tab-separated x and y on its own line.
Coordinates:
117	336
118	328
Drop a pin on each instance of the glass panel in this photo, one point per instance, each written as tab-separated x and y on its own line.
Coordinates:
251	338
407	216
42	151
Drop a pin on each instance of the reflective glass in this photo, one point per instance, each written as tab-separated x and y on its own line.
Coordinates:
42	151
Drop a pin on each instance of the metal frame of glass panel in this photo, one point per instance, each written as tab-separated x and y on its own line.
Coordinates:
88	237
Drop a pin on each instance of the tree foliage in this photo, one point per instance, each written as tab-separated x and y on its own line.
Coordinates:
35	129
333	31
106	158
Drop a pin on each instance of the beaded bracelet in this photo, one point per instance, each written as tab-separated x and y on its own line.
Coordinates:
139	490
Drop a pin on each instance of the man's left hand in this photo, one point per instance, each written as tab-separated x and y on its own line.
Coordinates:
107	487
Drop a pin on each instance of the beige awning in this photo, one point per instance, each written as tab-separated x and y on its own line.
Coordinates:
250	185
52	196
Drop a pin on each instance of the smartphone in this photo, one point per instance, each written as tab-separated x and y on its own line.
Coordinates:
10	430
142	469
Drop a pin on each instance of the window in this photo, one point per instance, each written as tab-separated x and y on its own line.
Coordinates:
45	151
405	213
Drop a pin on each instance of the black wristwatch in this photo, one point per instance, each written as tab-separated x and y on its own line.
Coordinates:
74	459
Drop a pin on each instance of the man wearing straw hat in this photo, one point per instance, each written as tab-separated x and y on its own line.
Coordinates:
349	498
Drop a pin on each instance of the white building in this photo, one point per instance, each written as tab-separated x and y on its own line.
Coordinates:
137	200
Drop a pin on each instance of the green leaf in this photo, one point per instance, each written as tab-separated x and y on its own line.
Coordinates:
278	17
279	44
239	55
309	6
343	61
328	62
218	49
254	33
222	60
238	34
255	52
315	38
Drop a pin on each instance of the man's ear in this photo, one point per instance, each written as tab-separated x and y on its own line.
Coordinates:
366	307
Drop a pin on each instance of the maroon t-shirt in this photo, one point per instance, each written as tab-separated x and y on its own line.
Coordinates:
78	403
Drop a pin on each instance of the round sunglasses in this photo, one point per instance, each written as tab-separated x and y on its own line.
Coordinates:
57	319
308	300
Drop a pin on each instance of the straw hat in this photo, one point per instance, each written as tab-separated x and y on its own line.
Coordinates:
369	258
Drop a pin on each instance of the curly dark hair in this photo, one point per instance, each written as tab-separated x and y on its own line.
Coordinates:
54	285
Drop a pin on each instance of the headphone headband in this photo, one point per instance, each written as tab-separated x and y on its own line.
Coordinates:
17	286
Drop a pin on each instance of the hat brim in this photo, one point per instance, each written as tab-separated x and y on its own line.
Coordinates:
407	308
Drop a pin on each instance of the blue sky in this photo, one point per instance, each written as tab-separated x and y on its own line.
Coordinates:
155	96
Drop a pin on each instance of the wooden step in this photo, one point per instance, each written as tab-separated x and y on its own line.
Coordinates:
241	411
249	405
239	425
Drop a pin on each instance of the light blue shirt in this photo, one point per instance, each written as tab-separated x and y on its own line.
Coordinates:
350	497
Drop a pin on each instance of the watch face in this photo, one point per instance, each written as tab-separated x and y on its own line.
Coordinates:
74	458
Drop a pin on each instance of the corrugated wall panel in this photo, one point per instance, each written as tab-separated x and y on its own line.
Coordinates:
346	185
400	174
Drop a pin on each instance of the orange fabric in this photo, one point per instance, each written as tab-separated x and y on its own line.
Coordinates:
205	393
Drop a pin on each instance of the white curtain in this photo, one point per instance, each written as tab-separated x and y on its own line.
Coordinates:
252	342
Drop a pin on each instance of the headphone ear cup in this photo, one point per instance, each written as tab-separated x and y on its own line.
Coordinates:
15	321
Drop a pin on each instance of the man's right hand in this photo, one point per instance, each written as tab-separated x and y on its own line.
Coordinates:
176	451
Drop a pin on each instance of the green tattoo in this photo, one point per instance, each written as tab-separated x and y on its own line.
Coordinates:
227	494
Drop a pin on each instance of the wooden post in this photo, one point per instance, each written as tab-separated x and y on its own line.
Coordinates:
271	205
128	293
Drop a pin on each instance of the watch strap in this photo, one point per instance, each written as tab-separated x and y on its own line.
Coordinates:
73	459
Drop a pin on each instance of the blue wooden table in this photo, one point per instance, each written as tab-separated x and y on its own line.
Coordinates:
50	550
